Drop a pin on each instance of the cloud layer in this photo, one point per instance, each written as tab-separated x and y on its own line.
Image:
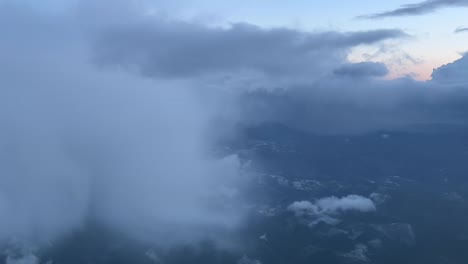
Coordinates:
349	103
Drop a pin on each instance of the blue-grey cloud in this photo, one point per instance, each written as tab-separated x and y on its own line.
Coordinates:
455	72
461	30
354	104
363	69
176	49
82	144
421	8
319	89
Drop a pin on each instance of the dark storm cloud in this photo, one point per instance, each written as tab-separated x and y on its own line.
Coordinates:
461	30
177	49
421	8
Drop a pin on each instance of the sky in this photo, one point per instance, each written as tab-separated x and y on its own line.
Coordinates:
111	109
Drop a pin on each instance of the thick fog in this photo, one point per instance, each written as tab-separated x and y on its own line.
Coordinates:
80	143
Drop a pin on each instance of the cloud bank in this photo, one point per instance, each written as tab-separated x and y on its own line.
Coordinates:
421	8
349	103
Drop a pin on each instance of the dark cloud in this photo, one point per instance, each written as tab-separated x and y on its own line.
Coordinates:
455	73
354	104
363	69
421	8
177	49
461	30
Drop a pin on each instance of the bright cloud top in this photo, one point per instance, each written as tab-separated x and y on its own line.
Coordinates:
333	205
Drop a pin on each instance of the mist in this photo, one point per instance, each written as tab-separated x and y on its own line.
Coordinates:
80	143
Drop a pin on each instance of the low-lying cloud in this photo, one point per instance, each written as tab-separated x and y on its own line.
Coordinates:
332	206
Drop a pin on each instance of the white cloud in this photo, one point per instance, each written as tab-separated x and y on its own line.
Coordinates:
303	208
332	206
